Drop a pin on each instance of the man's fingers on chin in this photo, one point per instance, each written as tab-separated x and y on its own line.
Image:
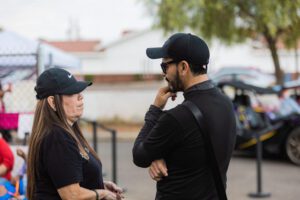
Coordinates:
168	95
165	89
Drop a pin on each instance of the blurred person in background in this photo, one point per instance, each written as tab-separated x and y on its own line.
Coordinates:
2	93
20	180
61	163
288	105
5	133
6	161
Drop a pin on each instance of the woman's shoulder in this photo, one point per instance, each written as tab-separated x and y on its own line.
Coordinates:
58	134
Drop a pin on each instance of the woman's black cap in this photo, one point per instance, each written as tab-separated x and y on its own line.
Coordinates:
58	81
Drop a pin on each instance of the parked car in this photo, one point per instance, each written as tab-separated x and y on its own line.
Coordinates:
247	75
279	131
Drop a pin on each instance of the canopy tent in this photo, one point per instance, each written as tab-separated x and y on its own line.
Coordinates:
21	58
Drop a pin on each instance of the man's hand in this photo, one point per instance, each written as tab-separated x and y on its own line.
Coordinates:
162	97
158	170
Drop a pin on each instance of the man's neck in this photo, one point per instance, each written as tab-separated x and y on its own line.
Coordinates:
196	80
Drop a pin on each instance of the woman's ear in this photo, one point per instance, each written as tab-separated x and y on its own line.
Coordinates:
51	103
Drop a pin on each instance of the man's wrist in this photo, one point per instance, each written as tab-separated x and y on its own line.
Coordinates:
155	109
156	106
153	114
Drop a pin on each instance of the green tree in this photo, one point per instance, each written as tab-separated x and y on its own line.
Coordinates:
234	21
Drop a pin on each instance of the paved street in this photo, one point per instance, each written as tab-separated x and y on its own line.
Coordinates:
280	178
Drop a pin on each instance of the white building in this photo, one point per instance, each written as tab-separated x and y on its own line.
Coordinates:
127	56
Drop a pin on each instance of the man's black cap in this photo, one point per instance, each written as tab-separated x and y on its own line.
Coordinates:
58	81
182	46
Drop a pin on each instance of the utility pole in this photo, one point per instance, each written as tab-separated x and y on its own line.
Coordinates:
296	61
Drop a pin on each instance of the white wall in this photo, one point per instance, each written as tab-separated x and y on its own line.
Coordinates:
127	102
127	56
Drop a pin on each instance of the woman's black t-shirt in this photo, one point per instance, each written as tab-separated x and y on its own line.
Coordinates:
61	164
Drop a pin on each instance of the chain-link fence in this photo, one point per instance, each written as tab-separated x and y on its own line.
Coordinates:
18	74
21	59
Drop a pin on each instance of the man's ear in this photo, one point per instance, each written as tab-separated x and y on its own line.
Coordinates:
184	67
51	103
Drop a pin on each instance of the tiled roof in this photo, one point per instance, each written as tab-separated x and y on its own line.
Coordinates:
77	45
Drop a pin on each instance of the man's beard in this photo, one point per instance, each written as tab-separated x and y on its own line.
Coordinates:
176	84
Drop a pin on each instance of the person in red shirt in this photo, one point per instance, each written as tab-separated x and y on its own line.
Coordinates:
6	160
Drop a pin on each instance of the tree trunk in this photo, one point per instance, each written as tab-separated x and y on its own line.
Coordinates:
272	47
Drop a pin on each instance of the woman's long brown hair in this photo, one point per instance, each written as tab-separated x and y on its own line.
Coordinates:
44	119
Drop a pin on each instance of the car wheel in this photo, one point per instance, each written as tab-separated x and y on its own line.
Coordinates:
292	146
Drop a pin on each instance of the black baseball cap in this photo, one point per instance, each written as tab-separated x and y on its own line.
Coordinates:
58	81
182	46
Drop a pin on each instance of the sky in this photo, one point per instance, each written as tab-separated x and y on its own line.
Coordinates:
51	19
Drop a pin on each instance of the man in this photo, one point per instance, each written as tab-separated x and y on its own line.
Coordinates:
170	141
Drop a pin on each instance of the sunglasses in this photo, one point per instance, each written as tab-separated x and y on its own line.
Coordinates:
165	65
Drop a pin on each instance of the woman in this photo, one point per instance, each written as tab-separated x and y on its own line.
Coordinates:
61	163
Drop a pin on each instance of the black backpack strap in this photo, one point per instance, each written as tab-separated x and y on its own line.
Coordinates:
198	116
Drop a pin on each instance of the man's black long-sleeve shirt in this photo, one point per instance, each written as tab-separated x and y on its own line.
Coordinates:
173	136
